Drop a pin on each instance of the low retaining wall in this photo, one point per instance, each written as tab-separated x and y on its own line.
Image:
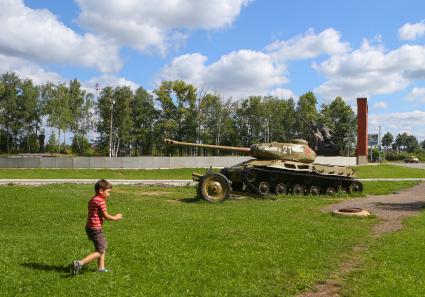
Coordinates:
148	162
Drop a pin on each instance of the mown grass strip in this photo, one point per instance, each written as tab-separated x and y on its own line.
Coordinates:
180	173
368	171
388	171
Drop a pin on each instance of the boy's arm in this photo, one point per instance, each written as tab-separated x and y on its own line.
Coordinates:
109	217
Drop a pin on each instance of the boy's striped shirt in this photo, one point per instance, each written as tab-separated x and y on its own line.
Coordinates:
96	207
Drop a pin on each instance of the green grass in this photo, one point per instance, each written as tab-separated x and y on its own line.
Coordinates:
378	171
388	171
393	265
180	173
383	188
169	247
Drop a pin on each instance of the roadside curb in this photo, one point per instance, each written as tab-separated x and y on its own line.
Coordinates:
34	182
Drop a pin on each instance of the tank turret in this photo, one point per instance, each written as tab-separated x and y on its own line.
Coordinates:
297	150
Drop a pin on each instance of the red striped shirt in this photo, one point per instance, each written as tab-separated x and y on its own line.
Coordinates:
96	207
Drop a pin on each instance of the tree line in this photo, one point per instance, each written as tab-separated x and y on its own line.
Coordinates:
122	121
401	146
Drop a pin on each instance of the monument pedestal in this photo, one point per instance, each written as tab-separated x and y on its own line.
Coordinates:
362	141
361	160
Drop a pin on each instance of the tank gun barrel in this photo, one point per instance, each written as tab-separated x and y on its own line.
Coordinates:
171	142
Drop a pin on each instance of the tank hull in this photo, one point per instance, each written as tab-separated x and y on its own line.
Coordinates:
267	177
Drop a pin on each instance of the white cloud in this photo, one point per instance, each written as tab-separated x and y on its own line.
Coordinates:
236	74
309	45
380	105
412	122
247	72
147	24
417	94
370	70
37	35
411	31
283	93
27	70
107	80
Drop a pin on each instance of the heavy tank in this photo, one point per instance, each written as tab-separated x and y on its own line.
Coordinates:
277	168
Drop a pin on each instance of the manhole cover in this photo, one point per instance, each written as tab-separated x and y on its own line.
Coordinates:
351	212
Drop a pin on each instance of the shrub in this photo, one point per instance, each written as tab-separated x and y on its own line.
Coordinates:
394	156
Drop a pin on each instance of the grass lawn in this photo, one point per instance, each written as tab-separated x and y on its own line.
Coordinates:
167	247
368	171
394	264
388	171
383	188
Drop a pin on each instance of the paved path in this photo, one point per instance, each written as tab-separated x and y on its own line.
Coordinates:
391	210
420	165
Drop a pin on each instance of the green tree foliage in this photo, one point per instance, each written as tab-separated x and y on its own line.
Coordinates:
405	142
121	119
178	112
1	88
340	118
52	144
104	108
81	145
58	109
31	112
387	140
113	109
279	119
306	112
141	120
250	121
20	113
81	121
210	119
10	117
144	116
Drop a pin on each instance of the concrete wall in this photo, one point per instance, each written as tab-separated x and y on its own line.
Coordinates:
142	162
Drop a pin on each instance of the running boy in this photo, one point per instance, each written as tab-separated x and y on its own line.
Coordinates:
96	213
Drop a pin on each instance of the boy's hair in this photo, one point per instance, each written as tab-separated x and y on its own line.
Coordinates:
102	184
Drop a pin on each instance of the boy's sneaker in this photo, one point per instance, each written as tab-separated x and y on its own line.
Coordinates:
76	267
103	270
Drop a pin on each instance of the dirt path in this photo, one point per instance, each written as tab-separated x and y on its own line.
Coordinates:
391	210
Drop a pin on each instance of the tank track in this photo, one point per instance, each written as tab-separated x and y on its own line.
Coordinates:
306	180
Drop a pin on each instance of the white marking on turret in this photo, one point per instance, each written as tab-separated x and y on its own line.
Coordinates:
298	148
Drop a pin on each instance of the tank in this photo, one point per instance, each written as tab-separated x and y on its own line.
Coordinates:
276	169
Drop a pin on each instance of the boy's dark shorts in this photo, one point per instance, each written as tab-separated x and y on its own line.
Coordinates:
98	238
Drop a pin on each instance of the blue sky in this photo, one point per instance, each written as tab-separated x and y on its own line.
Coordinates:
234	47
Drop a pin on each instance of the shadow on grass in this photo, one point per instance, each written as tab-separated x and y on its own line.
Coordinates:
191	200
65	270
46	267
412	206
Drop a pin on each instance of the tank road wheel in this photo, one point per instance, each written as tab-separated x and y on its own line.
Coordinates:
314	191
214	187
280	189
356	187
344	190
330	191
299	190
264	188
251	176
